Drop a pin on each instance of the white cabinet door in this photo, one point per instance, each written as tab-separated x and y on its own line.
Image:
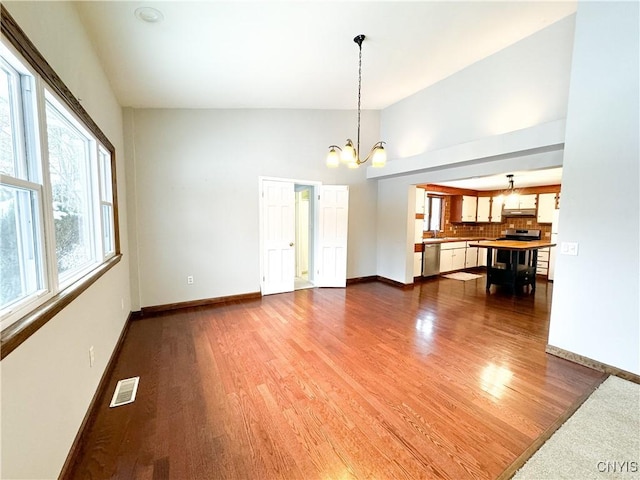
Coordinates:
527	201
482	257
484	207
496	209
332	236
458	258
512	202
471	257
417	264
278	259
420	199
419	225
446	261
469	205
546	207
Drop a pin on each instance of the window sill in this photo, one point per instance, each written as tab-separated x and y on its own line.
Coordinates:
15	334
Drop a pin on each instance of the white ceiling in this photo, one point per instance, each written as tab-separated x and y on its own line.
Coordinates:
533	178
299	54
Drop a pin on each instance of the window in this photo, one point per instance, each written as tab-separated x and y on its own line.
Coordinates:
21	237
433	213
106	202
58	216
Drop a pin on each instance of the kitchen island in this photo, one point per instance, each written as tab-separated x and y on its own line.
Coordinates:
518	269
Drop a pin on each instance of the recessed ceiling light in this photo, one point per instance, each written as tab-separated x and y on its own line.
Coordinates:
149	15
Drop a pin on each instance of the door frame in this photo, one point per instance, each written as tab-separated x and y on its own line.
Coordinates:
315	186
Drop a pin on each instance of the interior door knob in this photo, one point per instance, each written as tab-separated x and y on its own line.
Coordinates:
291	244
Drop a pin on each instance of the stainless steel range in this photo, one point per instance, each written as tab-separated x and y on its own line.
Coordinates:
503	258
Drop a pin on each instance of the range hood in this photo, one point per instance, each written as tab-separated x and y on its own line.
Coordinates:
518	212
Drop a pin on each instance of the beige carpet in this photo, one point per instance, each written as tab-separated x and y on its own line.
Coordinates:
464	276
600	441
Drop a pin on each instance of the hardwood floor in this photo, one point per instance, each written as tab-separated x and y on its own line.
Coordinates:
372	381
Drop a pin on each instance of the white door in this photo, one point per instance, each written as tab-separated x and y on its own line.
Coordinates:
333	216
278	234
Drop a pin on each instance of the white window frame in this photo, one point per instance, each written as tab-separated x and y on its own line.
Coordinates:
428	210
67	278
31	172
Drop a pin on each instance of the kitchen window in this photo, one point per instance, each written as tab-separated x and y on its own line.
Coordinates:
433	213
58	209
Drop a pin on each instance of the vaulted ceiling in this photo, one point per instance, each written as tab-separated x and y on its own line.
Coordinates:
298	54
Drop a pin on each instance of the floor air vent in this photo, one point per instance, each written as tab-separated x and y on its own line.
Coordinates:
125	392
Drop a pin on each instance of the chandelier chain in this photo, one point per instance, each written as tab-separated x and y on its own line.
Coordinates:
359	90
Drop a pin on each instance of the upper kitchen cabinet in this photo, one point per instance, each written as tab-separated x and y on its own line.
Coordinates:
496	209
463	208
484	209
420	200
546	207
515	202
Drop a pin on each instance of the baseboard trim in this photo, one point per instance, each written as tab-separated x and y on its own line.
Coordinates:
370	278
395	283
92	411
594	364
153	310
519	462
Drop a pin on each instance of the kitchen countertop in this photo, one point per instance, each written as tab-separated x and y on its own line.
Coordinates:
514	244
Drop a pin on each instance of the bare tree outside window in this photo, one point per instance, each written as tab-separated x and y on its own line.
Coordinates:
69	173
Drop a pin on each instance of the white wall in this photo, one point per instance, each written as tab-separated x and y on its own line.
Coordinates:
46	382
522	86
596	294
518	87
196	193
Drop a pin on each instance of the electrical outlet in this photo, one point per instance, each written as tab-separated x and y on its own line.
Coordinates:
190	280
529	222
92	356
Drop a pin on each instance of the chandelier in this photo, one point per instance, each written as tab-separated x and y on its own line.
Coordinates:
350	154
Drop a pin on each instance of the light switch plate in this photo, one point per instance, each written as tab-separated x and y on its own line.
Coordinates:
569	248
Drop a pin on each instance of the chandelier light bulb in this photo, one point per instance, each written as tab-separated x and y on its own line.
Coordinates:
333	158
379	158
348	154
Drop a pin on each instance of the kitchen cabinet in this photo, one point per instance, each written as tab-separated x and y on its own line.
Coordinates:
463	208
516	202
528	201
420	200
452	256
546	207
482	257
496	209
542	267
417	264
419	225
471	257
484	209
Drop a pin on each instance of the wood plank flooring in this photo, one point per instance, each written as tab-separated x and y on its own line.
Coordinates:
372	381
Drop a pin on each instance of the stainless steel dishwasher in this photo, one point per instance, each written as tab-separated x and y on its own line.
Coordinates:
431	260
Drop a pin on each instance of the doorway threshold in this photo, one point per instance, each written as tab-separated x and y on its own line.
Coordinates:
300	283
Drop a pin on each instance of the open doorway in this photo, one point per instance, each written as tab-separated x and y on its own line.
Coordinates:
308	214
304	236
